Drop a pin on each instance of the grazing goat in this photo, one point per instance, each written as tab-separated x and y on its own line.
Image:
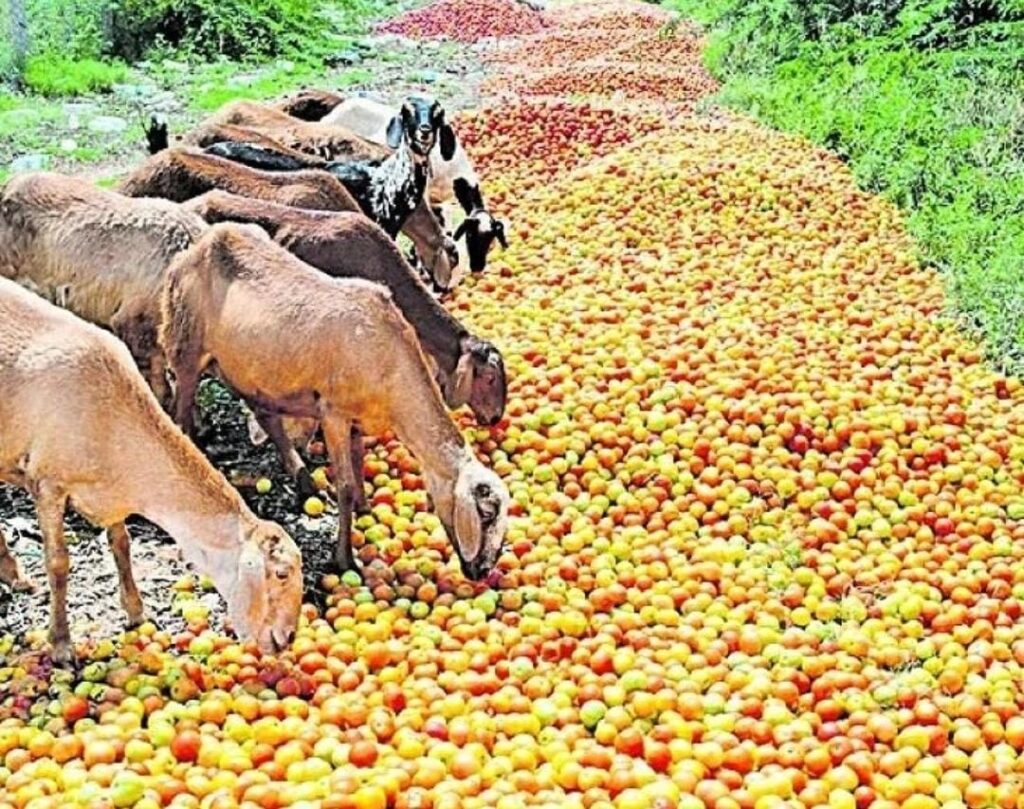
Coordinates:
240	302
97	253
313	138
451	174
389	186
469	370
181	173
79	429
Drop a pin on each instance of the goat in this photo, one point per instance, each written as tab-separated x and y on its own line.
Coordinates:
389	185
469	370
181	173
185	172
451	174
313	138
247	305
79	428
97	253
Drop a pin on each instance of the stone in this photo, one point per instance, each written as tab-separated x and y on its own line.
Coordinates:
344	58
29	162
134	92
108	124
68	145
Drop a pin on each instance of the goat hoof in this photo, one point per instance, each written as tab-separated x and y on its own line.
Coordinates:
23	585
134	622
63	656
304	488
345	564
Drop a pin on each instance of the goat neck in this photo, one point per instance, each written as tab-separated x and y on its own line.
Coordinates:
189	500
397	187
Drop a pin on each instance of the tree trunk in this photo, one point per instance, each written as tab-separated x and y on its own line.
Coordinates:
19	36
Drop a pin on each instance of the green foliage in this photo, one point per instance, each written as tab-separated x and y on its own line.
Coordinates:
924	99
237	29
53	75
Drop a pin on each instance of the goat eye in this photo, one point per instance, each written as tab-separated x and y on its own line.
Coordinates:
482	490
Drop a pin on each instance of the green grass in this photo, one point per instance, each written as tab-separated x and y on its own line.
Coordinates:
926	109
53	75
213	92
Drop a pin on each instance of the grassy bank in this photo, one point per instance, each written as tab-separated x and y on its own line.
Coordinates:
85	103
925	100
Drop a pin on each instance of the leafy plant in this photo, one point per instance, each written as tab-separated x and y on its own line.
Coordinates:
53	75
236	29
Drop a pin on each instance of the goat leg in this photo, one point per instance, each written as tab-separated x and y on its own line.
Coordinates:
139	334
293	463
338	437
50	510
356	453
10	570
120	546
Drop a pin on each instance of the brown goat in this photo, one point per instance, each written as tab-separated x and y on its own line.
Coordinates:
183	173
97	253
180	174
374	374
79	428
320	140
343	245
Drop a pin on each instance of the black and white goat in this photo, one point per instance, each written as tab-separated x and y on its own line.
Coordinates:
452	176
387	189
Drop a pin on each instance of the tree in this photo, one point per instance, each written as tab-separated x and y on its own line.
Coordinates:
19	36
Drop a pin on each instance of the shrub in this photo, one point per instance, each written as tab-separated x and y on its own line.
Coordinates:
52	75
237	29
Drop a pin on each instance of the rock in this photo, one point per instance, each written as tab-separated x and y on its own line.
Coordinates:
385	41
29	162
68	145
426	76
177	67
286	65
76	111
134	92
109	124
243	79
343	58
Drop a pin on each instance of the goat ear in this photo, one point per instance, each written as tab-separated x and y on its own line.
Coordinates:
257	435
468	527
249	603
460	231
394	134
464	194
462	379
447	142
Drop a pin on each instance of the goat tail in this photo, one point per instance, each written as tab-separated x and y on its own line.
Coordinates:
156	133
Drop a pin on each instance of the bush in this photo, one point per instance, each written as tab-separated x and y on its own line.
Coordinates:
237	29
53	75
925	100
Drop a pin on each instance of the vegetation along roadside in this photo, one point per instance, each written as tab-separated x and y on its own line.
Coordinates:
91	73
925	101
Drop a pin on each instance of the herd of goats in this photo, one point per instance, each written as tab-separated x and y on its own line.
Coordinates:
260	251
